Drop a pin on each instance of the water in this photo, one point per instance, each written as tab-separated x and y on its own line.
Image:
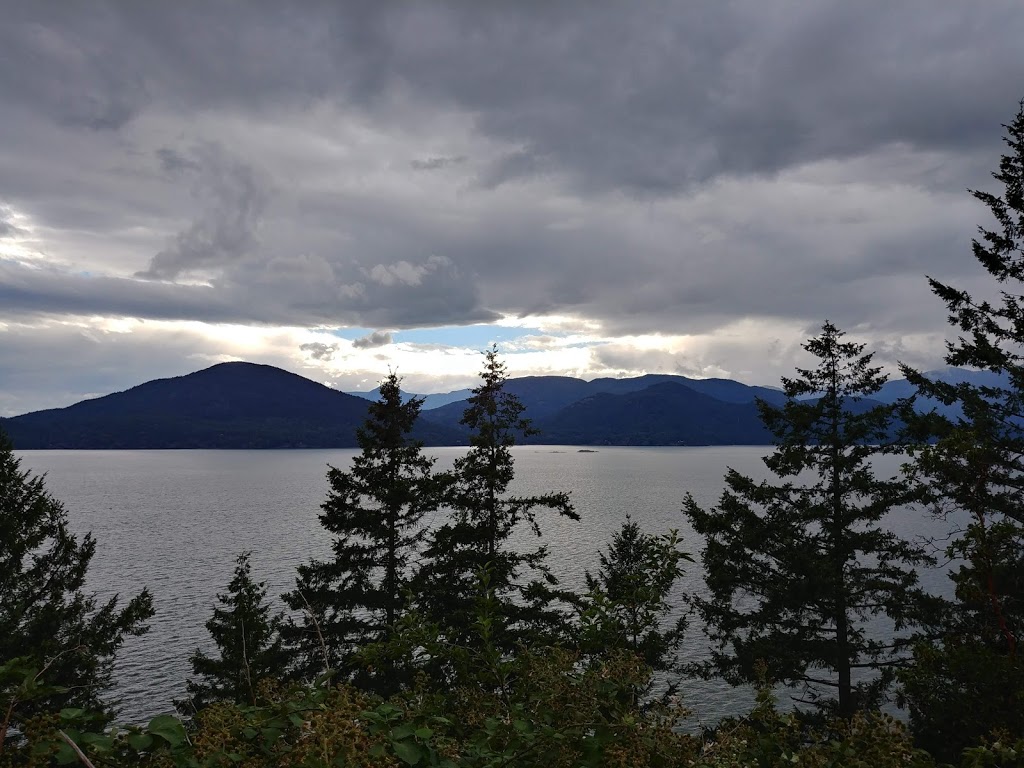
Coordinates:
174	521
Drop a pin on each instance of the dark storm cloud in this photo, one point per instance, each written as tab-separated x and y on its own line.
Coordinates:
233	200
641	164
28	291
649	96
436	163
288	295
173	161
7	226
655	96
375	339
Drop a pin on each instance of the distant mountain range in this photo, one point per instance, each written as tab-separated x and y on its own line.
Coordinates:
245	405
231	405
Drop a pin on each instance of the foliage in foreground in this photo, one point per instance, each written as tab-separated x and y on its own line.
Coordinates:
57	641
553	714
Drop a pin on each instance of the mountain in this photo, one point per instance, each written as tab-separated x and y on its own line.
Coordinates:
244	405
429	401
544	396
666	413
901	388
726	390
230	405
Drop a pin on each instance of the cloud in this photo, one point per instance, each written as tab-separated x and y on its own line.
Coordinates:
375	339
173	161
319	351
232	199
437	162
689	171
405	273
7	225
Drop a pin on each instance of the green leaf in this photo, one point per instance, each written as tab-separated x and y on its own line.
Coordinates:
403	731
71	713
168	728
408	751
65	754
140	742
98	741
424	733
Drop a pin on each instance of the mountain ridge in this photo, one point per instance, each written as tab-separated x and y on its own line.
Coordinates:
249	405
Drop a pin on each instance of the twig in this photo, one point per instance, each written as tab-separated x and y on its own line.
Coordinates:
81	755
248	671
316	626
6	723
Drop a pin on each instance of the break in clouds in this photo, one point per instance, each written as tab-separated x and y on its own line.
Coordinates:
689	188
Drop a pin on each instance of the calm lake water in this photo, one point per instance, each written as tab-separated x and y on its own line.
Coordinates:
173	521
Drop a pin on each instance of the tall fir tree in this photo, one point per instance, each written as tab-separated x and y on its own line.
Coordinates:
797	568
375	512
484	516
967	678
64	635
247	636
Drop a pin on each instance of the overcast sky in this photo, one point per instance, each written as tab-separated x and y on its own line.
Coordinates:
603	188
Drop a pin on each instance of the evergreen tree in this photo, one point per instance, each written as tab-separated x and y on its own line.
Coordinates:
977	464
62	634
795	569
375	511
628	599
972	466
484	516
247	636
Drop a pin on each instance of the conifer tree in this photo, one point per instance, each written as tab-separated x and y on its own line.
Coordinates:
47	620
375	512
627	601
795	568
247	636
484	516
977	465
968	672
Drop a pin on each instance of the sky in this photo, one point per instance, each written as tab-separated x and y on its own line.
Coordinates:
601	188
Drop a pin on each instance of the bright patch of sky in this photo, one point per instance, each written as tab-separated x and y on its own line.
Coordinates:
475	336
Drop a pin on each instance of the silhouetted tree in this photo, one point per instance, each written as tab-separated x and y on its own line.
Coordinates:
375	511
483	517
968	673
64	637
796	569
627	603
247	636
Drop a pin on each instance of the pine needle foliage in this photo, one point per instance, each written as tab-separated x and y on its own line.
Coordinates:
797	567
375	511
246	634
65	635
483	517
627	607
972	467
